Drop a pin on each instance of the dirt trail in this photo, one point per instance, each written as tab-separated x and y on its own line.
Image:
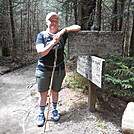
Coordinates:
19	109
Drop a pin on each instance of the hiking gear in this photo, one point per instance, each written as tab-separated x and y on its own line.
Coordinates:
53	106
55	115
40	120
51	14
42	109
51	83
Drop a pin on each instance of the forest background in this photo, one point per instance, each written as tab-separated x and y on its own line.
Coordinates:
22	20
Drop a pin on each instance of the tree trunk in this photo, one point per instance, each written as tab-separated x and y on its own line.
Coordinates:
4	28
12	27
121	12
98	14
114	25
87	13
127	31
66	18
28	23
75	12
131	51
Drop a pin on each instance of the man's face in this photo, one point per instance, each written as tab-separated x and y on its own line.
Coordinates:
52	23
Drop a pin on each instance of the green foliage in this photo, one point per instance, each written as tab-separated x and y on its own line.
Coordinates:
0	52
107	2
101	124
76	82
120	75
117	16
123	93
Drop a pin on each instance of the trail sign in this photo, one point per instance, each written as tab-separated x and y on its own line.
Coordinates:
91	68
96	43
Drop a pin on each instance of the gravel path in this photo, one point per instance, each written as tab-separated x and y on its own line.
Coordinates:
19	109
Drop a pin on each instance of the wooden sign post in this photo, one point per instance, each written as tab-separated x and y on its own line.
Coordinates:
86	43
91	67
91	96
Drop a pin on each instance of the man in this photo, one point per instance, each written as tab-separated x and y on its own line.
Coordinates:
46	45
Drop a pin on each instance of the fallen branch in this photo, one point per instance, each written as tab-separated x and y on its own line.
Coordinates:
24	120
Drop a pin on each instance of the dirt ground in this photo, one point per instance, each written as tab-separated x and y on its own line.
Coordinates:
19	109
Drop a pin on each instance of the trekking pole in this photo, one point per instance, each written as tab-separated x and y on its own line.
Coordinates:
51	83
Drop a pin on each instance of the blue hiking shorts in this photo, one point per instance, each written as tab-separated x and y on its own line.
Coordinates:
43	79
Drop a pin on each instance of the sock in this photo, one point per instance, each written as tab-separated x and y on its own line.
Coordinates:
54	106
42	109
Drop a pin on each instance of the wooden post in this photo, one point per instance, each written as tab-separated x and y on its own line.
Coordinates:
92	96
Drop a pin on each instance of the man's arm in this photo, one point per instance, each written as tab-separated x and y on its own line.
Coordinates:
72	28
67	29
43	51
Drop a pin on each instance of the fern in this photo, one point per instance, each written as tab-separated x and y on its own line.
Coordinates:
132	68
127	86
131	79
120	74
123	93
120	64
123	73
111	79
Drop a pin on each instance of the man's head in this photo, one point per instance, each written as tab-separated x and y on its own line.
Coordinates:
52	14
52	21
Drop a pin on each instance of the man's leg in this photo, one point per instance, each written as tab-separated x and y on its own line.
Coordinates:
58	79
43	98
55	115
41	117
43	81
55	96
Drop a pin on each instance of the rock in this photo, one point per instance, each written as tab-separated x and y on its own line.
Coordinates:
4	69
128	119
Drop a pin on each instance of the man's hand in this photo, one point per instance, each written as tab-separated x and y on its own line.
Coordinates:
59	34
55	39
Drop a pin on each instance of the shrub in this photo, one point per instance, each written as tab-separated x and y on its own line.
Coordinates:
119	75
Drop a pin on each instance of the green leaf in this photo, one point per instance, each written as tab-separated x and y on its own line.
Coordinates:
127	86
120	64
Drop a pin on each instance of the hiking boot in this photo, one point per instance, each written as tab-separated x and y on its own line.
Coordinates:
55	115
40	120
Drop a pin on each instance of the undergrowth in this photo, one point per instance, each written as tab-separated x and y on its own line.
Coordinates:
118	77
76	82
18	61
